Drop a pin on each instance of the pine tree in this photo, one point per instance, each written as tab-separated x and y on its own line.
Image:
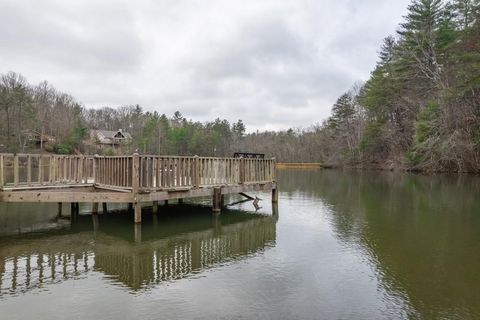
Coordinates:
466	12
343	110
420	42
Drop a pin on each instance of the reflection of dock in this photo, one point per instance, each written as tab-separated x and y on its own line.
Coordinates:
34	263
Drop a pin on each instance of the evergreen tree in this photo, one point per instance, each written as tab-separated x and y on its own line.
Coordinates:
419	44
342	111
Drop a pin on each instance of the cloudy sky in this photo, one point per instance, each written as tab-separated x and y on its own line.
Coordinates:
275	64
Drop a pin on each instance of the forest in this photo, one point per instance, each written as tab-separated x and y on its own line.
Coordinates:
419	110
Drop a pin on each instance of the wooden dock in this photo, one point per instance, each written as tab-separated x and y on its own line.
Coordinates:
133	179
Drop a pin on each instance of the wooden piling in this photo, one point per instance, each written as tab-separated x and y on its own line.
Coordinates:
74	208
155	207
222	201
216	200
95	208
274	195
137	212
275	210
137	231
60	205
104	207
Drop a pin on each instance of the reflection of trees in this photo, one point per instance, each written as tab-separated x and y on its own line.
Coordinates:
422	233
31	264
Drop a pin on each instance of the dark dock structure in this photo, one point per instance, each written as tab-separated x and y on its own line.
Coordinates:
133	179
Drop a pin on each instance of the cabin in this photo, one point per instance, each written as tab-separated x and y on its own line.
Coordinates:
38	138
110	138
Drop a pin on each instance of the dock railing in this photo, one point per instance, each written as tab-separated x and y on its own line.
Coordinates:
133	172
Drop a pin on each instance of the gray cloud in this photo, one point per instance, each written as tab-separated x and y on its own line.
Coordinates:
274	64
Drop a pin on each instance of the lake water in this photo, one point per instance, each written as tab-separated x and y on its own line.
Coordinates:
340	245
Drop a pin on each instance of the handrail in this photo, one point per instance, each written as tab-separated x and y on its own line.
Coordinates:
145	172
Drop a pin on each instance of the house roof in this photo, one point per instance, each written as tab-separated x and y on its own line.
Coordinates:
119	134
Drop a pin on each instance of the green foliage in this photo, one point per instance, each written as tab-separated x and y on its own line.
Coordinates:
427	124
49	148
373	141
342	112
108	152
63	148
421	101
238	128
413	158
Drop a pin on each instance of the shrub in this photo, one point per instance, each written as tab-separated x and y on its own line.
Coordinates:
63	148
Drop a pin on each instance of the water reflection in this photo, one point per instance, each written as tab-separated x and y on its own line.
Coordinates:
422	234
180	242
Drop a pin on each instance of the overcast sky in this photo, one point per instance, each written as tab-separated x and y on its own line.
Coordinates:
273	64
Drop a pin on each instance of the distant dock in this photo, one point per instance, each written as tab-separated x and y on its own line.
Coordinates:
133	179
309	165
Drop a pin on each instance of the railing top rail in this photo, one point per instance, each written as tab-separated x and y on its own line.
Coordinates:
111	157
45	155
199	157
124	156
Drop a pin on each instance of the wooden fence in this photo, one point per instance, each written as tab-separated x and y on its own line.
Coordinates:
132	172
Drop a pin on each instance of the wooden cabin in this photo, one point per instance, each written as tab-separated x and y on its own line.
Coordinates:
110	138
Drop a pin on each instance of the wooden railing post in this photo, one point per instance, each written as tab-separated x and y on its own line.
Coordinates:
136	173
50	169
196	172
29	170
15	170
40	170
135	188
242	170
2	166
274	169
94	168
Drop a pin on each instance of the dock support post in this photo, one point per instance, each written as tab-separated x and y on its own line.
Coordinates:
217	225
95	208
155	220
137	233
74	208
60	205
138	212
216	200
222	201
155	207
95	224
275	211
104	207
274	195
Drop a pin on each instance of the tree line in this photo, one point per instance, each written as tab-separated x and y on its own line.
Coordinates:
419	110
28	110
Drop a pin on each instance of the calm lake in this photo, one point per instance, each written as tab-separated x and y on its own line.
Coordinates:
340	245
